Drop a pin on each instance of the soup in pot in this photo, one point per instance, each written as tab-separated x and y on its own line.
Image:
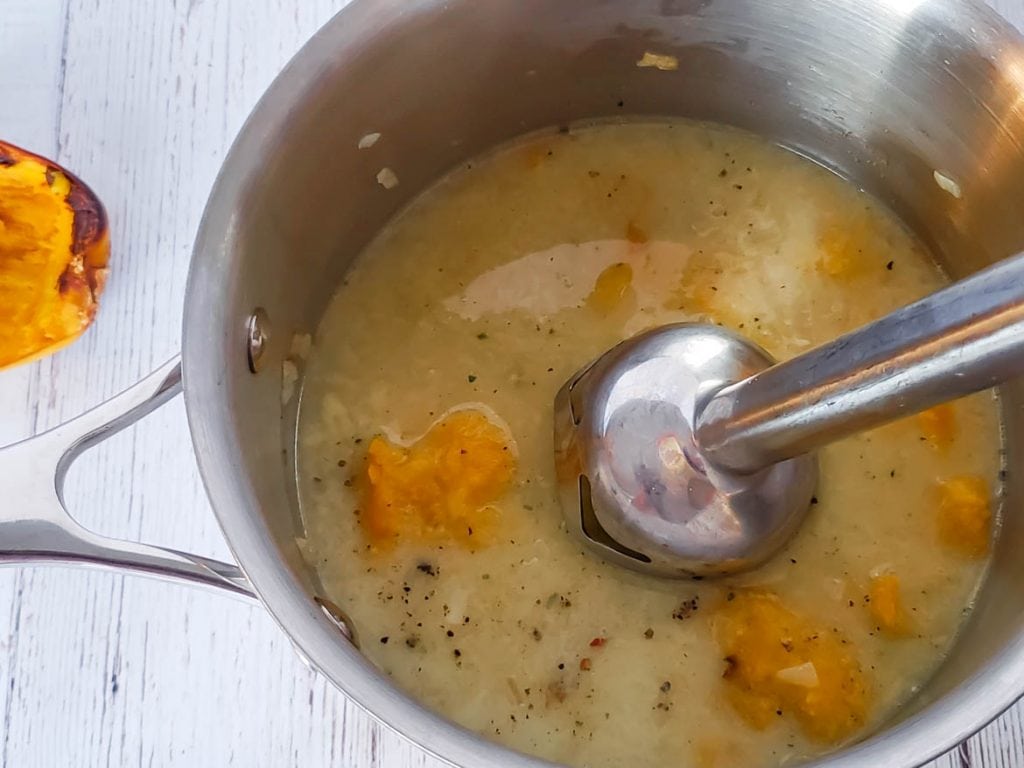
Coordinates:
426	472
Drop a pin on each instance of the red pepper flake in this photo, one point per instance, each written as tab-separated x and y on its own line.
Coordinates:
597	642
585	664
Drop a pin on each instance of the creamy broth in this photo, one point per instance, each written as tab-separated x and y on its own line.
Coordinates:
488	293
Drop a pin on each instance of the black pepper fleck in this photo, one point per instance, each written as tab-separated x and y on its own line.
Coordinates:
686	608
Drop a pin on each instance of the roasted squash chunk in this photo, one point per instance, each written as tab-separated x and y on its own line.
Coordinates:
938	425
442	488
54	247
845	244
965	515
611	288
779	663
885	605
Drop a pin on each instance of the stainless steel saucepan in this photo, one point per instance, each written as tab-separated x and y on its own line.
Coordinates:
921	102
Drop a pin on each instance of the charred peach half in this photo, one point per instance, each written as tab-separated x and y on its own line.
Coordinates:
54	248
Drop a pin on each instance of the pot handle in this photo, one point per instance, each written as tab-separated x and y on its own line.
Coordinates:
35	526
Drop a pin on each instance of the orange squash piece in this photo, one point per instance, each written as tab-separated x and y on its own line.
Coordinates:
779	663
54	248
846	243
698	294
611	288
965	515
441	488
886	605
938	425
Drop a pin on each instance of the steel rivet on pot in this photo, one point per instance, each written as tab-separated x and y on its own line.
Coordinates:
257	335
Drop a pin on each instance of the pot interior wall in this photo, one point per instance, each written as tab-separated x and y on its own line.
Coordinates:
884	93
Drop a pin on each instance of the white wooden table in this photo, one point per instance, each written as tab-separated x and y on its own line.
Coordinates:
142	98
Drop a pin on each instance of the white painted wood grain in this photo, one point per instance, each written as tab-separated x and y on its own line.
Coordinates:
142	98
